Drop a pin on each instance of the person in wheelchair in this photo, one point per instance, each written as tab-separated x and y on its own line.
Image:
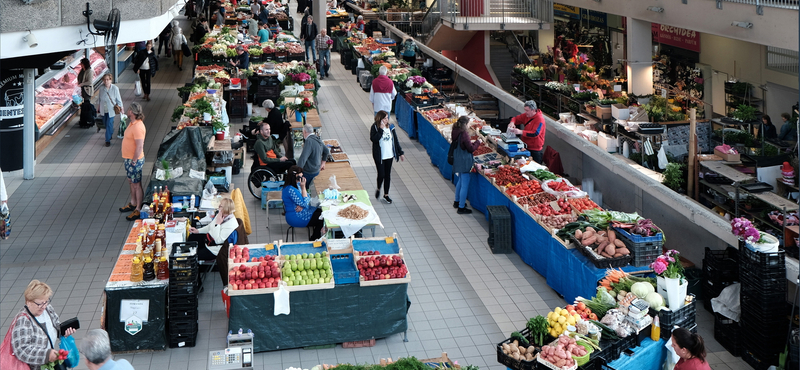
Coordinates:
269	152
278	126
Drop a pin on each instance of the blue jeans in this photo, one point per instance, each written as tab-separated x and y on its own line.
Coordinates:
109	122
310	45
310	178
324	57
462	188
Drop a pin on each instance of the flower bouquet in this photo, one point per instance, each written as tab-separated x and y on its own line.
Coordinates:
62	355
301	105
671	282
668	265
415	83
300	78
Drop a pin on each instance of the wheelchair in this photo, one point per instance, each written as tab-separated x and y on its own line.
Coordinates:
260	174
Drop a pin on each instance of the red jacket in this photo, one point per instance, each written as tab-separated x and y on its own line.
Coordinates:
533	130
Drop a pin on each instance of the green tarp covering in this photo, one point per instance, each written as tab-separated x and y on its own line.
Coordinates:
346	313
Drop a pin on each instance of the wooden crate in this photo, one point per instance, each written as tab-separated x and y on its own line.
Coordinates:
404	280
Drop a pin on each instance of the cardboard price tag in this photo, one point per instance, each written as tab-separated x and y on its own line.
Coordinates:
317	244
389	240
269	247
555	206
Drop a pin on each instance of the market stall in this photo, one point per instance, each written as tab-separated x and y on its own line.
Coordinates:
355	303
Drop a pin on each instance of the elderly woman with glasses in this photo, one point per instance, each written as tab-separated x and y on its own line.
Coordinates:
36	328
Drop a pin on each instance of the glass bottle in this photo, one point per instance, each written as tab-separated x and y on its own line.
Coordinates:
136	270
163	269
169	212
161	234
149	271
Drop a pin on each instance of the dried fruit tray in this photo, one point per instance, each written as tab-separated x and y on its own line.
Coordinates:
340	157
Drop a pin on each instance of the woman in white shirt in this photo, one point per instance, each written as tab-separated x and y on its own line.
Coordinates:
385	150
108	97
178	39
210	238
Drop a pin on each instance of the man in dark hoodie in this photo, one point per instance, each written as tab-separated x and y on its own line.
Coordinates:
315	154
531	127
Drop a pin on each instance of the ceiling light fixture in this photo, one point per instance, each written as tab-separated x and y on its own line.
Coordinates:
747	25
656	9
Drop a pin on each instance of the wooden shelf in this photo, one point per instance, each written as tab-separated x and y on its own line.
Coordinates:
726	171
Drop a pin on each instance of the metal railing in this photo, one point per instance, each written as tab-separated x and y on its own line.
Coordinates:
416	24
782	60
497	11
786	4
515	47
430	20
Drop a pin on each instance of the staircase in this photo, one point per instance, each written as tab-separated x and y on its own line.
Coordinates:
509	8
502	63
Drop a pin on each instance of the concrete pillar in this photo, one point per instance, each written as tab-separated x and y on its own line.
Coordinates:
640	55
545	38
320	14
29	124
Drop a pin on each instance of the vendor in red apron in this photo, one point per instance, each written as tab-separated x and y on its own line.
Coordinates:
531	128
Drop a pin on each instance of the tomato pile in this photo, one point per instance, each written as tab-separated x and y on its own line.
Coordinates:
559	186
508	175
483	149
525	188
583	204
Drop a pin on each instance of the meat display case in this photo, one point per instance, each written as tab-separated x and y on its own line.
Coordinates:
55	88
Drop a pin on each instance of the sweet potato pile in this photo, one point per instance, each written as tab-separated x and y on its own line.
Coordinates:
604	242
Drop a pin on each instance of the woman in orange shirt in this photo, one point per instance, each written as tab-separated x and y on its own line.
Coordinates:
133	154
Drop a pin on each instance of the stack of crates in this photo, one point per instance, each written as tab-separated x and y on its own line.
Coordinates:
644	249
764	320
720	269
499	229
183	290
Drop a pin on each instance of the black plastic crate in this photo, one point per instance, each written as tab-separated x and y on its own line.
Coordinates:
183	248
774	280
761	261
605	354
645	257
644	250
182	327
775	294
183	316
668	318
759	362
688	323
178	288
721	261
183	306
771	343
728	333
183	264
183	341
499	229
769	309
510	362
624	344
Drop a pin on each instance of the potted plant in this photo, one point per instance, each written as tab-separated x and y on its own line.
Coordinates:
756	240
670	278
415	83
219	128
301	106
745	113
673	176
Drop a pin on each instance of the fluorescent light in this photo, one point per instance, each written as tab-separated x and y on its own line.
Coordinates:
656	9
742	24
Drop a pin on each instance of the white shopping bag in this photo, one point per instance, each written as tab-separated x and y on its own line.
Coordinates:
137	90
281	300
662	158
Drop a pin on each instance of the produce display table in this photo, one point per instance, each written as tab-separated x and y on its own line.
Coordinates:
362	197
406	116
346	313
649	355
345	177
436	145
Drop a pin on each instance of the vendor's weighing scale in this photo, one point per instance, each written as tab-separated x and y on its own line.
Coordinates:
512	146
238	355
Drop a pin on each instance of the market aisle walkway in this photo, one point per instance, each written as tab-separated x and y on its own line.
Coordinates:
464	299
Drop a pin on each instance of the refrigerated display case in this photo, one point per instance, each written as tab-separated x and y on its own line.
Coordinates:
55	88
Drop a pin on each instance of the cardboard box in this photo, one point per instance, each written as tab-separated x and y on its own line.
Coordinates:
727	157
607	142
603	113
620	111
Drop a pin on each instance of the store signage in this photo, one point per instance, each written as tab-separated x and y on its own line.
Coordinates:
11	103
674	36
595	17
566	11
134	307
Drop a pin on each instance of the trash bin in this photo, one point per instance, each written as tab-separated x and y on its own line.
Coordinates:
11	144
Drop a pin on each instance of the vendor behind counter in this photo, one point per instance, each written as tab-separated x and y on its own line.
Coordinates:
531	127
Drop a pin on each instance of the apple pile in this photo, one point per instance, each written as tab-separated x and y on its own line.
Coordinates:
307	269
267	258
367	253
266	274
239	254
382	267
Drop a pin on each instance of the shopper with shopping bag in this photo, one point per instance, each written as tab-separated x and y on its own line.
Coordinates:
110	105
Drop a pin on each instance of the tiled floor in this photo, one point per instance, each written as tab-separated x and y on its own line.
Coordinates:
67	232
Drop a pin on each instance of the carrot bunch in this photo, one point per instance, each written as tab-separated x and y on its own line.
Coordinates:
613	276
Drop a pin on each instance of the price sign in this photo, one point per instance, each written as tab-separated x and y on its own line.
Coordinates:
555	206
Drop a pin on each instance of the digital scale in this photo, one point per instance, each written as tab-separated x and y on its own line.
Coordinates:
238	355
512	146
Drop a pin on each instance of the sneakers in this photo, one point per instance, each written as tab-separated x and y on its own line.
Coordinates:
464	211
108	144
377	193
455	204
387	199
133	216
128	208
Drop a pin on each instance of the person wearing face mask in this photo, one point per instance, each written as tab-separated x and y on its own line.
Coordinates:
531	127
691	349
146	65
35	330
110	105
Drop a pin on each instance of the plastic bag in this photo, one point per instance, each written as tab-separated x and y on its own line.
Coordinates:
137	89
727	303
672	357
281	300
662	158
74	357
5	222
123	125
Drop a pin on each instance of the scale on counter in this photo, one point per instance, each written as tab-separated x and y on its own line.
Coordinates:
511	143
238	355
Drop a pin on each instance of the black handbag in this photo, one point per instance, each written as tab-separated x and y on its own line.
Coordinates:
186	51
451	153
56	366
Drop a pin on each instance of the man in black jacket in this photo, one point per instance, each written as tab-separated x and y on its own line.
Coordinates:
308	33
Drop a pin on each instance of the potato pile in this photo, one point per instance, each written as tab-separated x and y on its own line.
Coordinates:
519	352
604	242
561	353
